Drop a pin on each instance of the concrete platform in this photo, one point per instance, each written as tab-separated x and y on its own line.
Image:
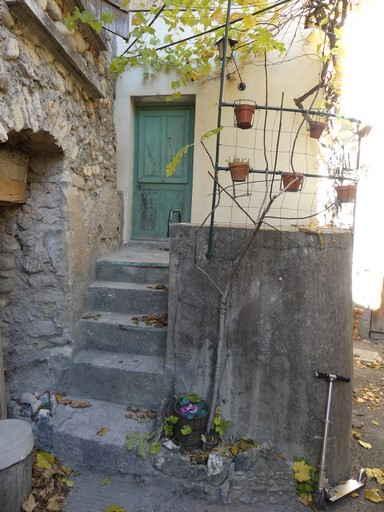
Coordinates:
76	440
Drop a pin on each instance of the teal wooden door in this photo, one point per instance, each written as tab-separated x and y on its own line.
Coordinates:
160	133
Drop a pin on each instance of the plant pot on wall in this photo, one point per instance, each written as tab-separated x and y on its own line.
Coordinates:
292	180
346	193
316	128
244	111
239	171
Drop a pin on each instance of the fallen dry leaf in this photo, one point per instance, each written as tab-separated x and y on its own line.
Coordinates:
373	495
50	484
75	404
377	473
102	431
365	445
30	504
158	287
154	319
355	434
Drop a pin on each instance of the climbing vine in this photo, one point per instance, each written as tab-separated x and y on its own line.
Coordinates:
182	35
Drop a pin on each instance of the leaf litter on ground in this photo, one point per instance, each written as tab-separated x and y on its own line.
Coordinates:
155	320
50	484
140	415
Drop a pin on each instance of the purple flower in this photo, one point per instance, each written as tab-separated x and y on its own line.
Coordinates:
188	409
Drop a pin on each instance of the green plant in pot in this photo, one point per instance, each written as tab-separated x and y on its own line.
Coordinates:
192	416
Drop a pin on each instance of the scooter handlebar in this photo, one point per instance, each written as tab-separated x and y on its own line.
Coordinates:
331	377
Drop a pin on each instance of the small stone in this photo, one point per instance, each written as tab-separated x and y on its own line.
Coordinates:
6	18
36	407
170	445
44	413
53	10
215	464
81	44
12	50
3	133
43	4
28	398
242	463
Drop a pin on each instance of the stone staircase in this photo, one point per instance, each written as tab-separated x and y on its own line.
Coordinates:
119	361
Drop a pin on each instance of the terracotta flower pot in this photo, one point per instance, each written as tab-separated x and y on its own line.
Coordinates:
239	171
316	128
244	113
346	193
294	180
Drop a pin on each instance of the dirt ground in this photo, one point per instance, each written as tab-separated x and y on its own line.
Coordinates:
367	427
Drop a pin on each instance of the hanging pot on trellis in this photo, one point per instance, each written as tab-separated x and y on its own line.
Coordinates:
316	128
239	170
346	193
244	111
292	180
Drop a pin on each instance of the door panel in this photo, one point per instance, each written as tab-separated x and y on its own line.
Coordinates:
160	133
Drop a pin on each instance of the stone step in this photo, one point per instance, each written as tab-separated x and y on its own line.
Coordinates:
138	262
134	272
120	378
117	332
75	438
134	298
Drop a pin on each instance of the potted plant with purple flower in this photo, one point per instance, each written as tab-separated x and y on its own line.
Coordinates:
192	416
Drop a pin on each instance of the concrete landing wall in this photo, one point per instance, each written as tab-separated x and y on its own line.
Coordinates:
290	315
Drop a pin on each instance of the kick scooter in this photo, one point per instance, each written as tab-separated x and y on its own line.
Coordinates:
323	490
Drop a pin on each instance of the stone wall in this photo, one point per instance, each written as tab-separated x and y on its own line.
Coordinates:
49	243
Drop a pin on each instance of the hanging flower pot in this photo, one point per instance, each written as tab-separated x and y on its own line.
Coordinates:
292	180
192	414
316	128
244	111
239	170
346	193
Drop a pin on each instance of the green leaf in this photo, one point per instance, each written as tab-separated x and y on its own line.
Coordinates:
141	448
68	483
44	460
105	481
186	430
215	131
108	17
154	448
132	442
174	163
114	508
96	25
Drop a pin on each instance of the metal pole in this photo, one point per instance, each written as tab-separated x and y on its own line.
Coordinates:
300	111
208	254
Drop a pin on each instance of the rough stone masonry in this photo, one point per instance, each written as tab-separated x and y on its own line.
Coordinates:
71	214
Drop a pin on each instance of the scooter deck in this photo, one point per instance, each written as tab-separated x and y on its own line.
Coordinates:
343	489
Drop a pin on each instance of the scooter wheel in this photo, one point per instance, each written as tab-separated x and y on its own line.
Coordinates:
319	499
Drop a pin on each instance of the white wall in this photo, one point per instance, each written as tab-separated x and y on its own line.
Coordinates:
293	77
